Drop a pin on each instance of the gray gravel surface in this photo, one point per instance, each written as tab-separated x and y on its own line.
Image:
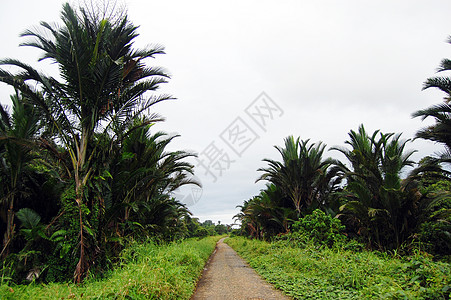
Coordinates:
228	276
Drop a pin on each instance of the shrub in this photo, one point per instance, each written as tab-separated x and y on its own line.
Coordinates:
324	273
320	228
435	234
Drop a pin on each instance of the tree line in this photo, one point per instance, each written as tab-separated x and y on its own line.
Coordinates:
83	168
370	193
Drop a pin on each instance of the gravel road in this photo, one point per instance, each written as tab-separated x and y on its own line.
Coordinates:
228	276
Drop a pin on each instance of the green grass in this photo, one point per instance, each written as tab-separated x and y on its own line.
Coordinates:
146	271
313	273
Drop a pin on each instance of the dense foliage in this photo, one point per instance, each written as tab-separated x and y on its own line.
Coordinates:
83	170
310	272
368	195
372	193
81	166
318	228
145	271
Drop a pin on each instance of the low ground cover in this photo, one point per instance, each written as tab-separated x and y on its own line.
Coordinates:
313	272
146	271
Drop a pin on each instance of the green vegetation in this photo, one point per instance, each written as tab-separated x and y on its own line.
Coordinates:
82	167
368	195
362	228
308	271
378	200
145	271
318	228
303	175
84	170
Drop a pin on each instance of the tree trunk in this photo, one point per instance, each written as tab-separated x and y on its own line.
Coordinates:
81	265
9	233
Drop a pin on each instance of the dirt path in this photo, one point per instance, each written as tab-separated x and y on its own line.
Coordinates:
227	276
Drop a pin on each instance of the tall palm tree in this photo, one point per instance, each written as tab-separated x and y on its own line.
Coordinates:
302	175
430	168
104	85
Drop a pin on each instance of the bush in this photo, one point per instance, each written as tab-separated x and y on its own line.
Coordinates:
320	228
435	235
324	273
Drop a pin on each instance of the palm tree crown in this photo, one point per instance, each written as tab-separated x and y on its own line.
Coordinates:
377	201
440	132
302	174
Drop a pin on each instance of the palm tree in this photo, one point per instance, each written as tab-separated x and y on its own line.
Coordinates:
440	132
378	203
18	141
302	175
145	175
249	218
104	85
442	83
434	215
266	214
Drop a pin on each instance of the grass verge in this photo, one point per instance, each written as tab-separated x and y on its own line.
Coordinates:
322	273
146	271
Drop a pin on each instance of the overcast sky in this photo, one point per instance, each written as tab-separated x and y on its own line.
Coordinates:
324	67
